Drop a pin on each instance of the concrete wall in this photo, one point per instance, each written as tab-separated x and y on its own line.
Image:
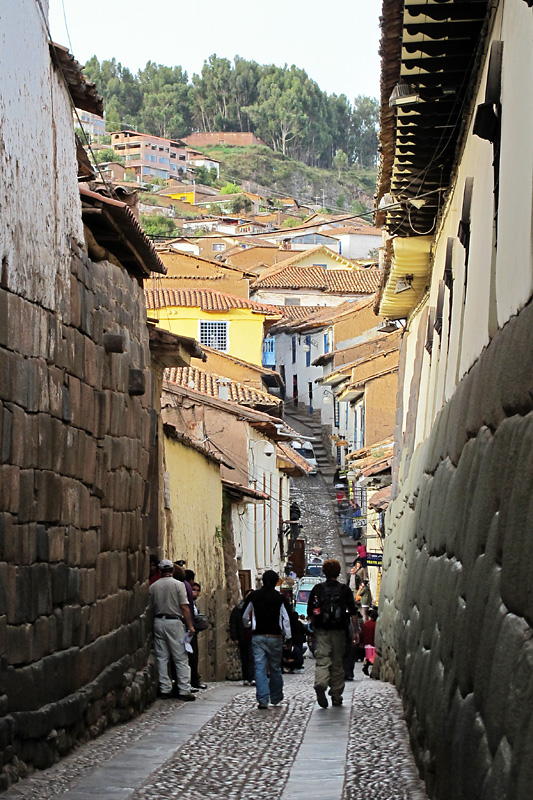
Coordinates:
74	639
456	616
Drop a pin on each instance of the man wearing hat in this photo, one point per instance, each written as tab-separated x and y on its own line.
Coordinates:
172	619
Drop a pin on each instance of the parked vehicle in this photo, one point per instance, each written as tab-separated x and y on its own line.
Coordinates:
306	450
303	590
314	567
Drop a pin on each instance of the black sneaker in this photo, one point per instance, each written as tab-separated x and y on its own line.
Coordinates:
187	697
277	701
262	705
321	698
336	701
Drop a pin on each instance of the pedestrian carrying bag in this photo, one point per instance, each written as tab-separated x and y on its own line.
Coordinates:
200	622
330	612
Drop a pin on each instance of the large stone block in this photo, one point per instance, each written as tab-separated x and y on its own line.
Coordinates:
89	548
467	773
55	391
87	586
87	408
497	785
515	519
513	634
20	644
48	496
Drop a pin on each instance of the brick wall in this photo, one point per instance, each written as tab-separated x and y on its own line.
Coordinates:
456	607
74	639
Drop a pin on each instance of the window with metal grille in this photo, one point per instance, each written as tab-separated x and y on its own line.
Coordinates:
214	334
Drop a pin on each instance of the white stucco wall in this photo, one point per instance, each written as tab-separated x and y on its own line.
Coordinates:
498	284
308	297
306	374
355	245
39	198
256	524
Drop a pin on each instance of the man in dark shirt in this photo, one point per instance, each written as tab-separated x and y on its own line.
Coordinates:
268	618
329	608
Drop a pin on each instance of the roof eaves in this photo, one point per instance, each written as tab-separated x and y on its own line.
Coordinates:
115	228
83	92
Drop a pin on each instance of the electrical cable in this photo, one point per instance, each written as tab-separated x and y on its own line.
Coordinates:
108	186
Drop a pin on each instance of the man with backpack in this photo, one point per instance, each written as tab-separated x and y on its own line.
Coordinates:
330	607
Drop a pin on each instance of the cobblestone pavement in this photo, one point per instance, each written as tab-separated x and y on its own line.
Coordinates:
319	519
357	752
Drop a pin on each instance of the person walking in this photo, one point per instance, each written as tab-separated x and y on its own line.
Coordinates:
364	598
243	638
267	616
172	619
330	606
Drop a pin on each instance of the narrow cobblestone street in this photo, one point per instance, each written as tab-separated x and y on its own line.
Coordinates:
223	747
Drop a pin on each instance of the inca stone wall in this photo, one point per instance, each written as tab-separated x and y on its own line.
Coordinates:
74	440
456	606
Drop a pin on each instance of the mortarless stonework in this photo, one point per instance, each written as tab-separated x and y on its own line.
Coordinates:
74	636
456	606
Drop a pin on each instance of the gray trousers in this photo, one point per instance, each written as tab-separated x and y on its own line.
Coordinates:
329	661
169	642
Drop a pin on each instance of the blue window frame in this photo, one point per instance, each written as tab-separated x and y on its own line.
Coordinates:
294	349
327	344
308	353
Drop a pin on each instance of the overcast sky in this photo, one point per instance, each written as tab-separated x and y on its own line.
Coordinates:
335	42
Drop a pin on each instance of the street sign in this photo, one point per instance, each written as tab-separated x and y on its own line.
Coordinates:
374	559
359	522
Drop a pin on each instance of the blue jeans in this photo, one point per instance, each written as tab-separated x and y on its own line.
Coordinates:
268	650
347	525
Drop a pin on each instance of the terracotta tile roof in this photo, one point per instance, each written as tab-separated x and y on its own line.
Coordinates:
206	383
295	458
360	230
331	281
292	315
206	299
130	244
327	314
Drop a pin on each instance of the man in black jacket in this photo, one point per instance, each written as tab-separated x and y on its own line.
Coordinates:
329	608
268	618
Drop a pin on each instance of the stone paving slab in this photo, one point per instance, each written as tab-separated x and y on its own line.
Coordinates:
223	748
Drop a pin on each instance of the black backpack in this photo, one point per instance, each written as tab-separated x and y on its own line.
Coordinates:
330	609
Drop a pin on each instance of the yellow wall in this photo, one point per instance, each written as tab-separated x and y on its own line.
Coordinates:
189	272
194	533
245	330
354	325
380	408
217	363
185	196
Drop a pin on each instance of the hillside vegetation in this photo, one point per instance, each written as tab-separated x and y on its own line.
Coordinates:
282	105
260	169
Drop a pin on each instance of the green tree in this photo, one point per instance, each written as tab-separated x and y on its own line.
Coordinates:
105	155
203	175
158	225
340	161
230	188
365	121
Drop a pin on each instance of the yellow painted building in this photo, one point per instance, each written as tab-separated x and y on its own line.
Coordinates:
193	509
225	322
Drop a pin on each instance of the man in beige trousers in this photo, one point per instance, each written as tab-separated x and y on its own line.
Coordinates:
330	607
